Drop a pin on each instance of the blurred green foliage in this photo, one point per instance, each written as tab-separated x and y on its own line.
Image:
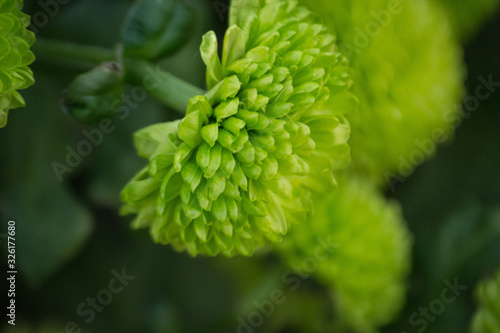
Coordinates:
70	238
487	319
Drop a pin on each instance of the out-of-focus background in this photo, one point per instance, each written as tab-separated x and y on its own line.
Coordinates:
71	243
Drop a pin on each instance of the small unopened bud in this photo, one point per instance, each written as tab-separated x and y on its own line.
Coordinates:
96	94
155	29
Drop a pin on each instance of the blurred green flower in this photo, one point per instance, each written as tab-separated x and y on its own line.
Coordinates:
240	167
365	253
466	16
408	77
15	56
487	319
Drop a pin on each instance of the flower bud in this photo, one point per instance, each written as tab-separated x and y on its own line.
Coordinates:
357	245
240	168
156	28
96	94
408	75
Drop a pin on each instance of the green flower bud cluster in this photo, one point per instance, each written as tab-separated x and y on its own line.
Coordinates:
466	16
487	319
240	168
408	76
368	258
15	56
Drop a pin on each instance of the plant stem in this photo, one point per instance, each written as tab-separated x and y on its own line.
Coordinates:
165	87
79	54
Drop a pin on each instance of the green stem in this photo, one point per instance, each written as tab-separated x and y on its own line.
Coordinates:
81	55
165	87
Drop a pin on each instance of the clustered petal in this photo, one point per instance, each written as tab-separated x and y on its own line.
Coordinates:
487	318
15	56
408	74
357	245
240	167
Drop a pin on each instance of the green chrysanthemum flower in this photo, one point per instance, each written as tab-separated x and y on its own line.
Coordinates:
360	249
408	77
240	167
15	56
466	16
487	319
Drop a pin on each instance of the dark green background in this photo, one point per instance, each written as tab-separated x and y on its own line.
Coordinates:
69	236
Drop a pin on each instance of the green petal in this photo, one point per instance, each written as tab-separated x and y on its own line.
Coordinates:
226	109
209	55
210	133
147	140
190	128
234	46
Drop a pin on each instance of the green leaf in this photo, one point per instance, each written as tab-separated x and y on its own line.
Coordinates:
463	240
156	28
51	224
